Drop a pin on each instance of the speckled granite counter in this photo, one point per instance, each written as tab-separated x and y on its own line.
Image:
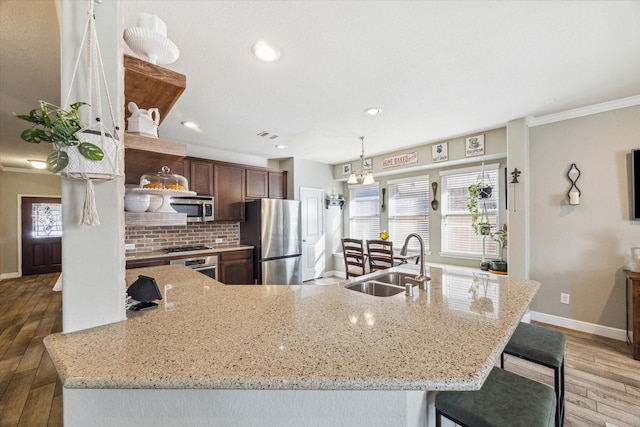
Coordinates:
206	335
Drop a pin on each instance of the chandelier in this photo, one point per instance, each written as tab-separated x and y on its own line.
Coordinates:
363	174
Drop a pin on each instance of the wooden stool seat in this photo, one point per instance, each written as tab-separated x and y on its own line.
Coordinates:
505	400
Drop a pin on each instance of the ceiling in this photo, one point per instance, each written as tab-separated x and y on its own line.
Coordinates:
437	69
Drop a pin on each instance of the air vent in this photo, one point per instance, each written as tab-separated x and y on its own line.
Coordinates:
265	134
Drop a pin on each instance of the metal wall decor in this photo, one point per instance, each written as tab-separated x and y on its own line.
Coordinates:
574	192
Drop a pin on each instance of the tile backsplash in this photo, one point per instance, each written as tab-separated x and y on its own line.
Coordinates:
149	239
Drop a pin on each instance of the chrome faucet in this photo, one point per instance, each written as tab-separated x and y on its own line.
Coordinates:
420	278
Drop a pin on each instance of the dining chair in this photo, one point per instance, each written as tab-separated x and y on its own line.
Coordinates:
380	254
354	259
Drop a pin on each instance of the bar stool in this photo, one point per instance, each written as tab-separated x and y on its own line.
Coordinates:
505	400
545	347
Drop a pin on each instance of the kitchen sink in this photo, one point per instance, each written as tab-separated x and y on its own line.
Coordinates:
383	285
376	288
395	278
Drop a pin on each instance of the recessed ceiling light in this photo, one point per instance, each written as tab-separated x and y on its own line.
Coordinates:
281	146
38	164
373	111
265	52
190	125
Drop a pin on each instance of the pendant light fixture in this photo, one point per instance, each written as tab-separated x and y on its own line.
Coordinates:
365	175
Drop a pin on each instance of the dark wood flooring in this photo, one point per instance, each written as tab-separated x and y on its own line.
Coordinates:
602	379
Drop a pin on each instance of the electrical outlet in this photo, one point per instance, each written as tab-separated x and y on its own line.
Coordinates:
219	240
129	246
564	298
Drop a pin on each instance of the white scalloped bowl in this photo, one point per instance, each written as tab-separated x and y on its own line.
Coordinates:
156	47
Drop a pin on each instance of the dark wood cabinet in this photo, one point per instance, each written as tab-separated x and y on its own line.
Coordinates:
262	183
139	263
229	187
201	177
182	167
277	185
257	184
236	267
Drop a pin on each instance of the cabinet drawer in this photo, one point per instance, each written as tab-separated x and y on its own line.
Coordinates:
234	255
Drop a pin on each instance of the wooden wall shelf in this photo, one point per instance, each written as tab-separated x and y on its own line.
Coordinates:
145	155
151	86
150	219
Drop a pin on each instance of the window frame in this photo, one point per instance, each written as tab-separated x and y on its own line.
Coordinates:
364	218
491	247
413	243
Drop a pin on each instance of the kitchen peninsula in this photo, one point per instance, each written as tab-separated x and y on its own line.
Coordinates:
307	355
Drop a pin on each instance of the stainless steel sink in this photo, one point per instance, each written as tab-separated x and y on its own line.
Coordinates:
375	288
383	285
394	278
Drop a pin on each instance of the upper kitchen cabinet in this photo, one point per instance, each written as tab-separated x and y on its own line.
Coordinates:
257	184
201	177
278	185
150	86
229	190
263	183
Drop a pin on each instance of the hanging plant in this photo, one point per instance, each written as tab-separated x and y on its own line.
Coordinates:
479	222
58	127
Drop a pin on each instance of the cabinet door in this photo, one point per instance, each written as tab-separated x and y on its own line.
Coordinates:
278	185
201	173
257	184
182	167
228	192
236	268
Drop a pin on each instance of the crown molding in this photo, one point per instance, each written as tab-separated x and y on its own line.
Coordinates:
584	111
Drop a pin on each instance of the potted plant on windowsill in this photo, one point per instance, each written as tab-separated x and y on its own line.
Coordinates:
63	129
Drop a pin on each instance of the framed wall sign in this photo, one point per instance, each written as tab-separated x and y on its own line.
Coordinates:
367	164
475	146
440	152
346	169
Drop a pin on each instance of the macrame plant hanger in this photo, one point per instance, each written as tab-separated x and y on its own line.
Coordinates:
110	166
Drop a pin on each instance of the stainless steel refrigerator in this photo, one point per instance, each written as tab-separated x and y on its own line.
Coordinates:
273	227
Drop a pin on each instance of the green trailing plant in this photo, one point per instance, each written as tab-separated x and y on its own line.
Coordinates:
479	221
58	127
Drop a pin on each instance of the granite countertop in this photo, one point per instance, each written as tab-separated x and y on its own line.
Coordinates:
163	254
213	336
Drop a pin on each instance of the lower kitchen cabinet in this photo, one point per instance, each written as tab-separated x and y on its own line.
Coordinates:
153	262
236	267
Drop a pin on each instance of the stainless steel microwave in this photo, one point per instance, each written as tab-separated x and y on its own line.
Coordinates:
197	208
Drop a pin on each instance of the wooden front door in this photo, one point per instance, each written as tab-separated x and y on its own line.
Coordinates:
41	235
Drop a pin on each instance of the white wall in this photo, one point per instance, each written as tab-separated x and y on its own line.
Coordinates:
93	262
581	250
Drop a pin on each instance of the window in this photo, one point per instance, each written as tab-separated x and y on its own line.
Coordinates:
46	220
409	210
364	212
458	237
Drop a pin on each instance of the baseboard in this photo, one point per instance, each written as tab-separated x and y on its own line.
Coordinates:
578	325
10	275
333	273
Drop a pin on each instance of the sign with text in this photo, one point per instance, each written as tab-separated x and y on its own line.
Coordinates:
475	146
399	160
440	152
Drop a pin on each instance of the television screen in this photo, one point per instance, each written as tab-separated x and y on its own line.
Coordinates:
635	185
